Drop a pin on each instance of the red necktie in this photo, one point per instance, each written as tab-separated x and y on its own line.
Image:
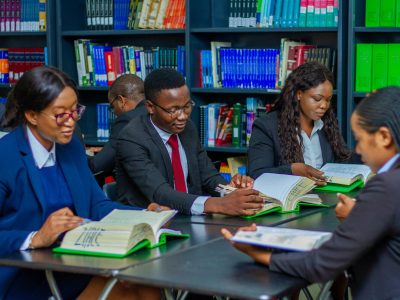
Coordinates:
179	178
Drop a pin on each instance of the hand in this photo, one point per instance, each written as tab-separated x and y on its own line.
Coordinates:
259	254
239	181
301	169
344	207
57	223
156	207
241	202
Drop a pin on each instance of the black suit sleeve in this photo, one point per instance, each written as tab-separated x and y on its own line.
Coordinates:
261	152
351	240
104	161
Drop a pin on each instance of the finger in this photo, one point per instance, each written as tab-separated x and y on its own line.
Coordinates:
248	212
254	199
226	233
248	192
250	182
252	227
343	198
239	179
63	211
252	205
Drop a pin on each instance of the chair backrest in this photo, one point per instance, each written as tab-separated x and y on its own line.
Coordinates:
110	189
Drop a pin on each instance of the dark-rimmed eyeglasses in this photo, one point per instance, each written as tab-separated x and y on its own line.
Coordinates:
62	118
176	111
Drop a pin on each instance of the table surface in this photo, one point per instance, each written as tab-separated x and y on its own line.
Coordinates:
214	269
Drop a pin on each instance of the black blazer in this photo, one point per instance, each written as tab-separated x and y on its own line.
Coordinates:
144	170
105	159
368	241
264	153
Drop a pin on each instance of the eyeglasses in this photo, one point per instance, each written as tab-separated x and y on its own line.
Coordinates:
176	111
111	106
62	118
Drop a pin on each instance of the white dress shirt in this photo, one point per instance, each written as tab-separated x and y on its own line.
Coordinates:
312	152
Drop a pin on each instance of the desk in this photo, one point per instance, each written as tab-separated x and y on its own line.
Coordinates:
45	259
214	269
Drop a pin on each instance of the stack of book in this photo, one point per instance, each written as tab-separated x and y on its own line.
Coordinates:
283	13
135	14
14	62
377	66
22	15
221	125
227	67
100	65
384	13
105	118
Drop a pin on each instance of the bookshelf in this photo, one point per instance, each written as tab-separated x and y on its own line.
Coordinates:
360	33
22	39
70	29
212	25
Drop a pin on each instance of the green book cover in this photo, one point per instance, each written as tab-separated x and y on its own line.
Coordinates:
340	188
372	13
236	121
310	13
379	66
394	65
397	13
363	67
387	17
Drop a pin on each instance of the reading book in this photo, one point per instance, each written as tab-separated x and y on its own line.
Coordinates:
282	193
119	233
344	177
283	238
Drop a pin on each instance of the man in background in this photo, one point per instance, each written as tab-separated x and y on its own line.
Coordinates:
125	96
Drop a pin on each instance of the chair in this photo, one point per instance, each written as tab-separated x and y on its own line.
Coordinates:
110	189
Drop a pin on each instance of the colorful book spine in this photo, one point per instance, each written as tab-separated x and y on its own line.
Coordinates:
387	11
372	13
379	66
363	67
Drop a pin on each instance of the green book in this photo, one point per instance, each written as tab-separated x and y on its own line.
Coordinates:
119	234
340	188
394	65
310	14
372	13
379	66
397	13
363	67
387	17
236	121
284	193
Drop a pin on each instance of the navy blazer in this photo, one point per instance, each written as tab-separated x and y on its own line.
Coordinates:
22	208
368	241
144	169
264	153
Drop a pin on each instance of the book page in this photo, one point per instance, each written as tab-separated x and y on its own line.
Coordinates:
348	171
279	186
154	219
282	238
303	186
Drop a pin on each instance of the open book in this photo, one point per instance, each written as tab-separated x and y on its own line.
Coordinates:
345	177
282	193
119	233
283	238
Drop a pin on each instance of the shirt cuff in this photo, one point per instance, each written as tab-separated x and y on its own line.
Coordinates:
198	205
27	242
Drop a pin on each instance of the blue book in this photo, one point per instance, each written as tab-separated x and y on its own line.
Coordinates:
296	13
278	13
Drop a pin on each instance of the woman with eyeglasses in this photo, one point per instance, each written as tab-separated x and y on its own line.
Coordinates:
46	187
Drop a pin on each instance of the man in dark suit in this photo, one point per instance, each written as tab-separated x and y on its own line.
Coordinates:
125	97
160	159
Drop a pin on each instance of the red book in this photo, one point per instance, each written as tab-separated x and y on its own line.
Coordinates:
301	53
110	65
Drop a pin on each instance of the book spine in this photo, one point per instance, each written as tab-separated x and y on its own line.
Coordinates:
379	66
363	67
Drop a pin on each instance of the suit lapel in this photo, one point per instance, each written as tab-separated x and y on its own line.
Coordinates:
188	146
324	146
71	174
30	166
160	144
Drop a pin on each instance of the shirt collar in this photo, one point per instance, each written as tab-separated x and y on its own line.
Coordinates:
40	154
318	124
389	164
162	133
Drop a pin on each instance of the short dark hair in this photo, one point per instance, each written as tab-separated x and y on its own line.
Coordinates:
381	109
162	79
129	86
35	90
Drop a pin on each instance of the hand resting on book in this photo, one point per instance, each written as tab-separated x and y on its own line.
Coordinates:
259	254
301	169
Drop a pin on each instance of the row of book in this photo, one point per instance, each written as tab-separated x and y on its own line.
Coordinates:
105	118
382	13
223	66
22	15
100	65
221	125
14	62
377	66
135	14
283	13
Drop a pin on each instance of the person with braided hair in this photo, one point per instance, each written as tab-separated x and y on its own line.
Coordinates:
301	133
